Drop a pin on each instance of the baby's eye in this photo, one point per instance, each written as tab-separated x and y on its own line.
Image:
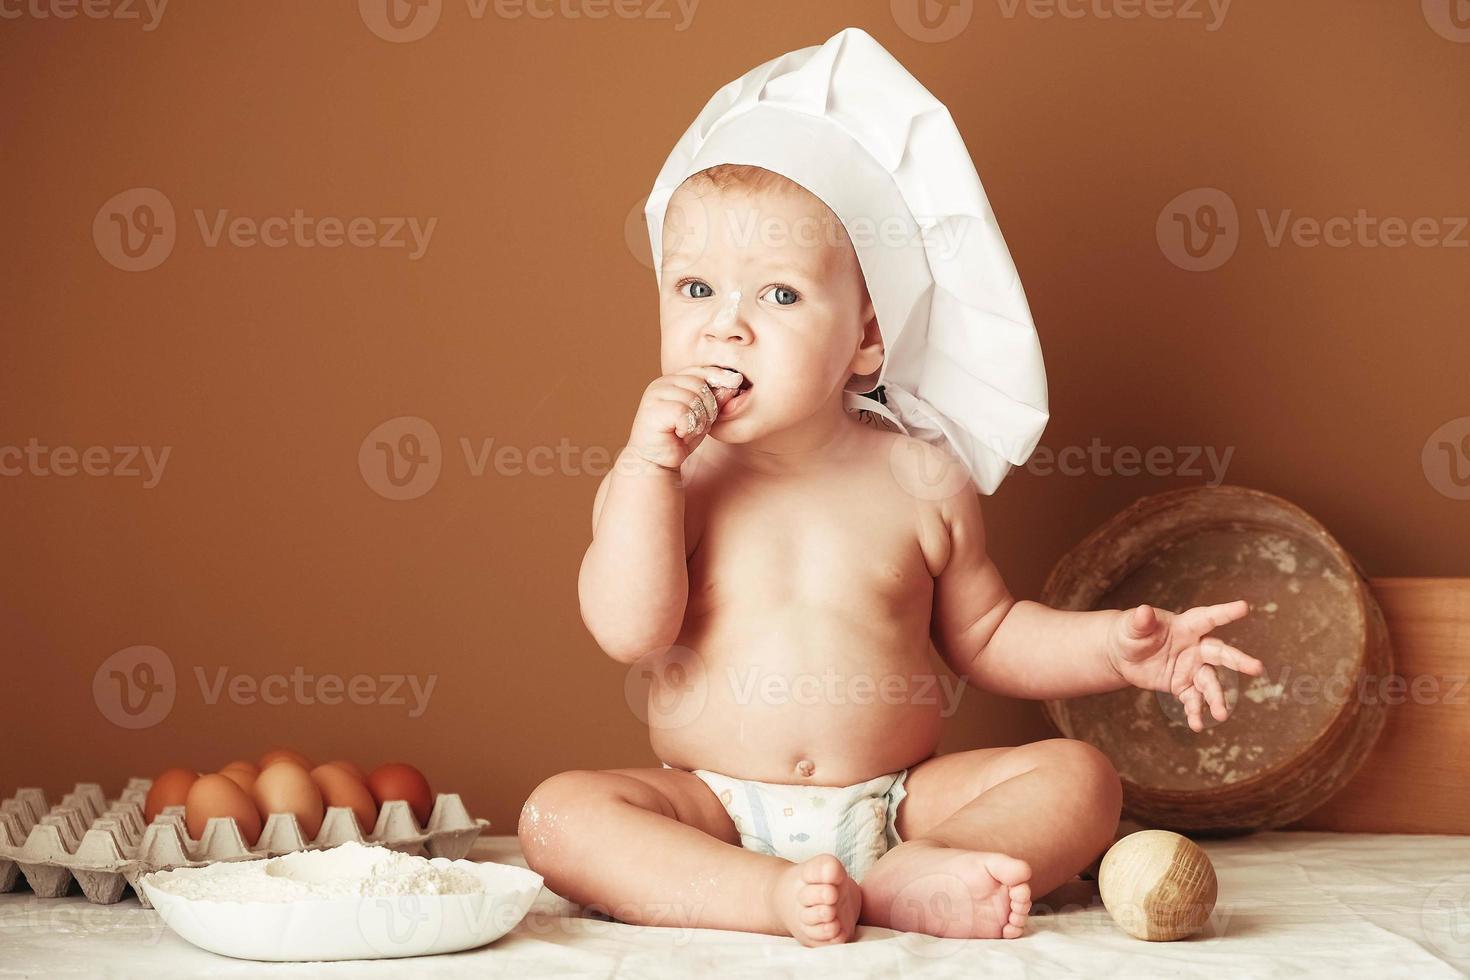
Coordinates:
784	295
696	283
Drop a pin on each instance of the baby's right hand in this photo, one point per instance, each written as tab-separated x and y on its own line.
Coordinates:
677	411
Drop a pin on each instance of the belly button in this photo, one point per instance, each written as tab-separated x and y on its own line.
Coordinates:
805	768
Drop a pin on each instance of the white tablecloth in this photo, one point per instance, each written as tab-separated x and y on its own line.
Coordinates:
1290	904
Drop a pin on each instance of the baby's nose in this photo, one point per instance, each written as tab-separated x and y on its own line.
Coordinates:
727	321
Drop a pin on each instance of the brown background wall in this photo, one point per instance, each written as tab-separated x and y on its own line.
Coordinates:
529	320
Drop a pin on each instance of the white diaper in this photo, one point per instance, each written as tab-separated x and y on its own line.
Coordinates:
796	822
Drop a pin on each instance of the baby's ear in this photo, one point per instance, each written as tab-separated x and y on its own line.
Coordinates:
869	356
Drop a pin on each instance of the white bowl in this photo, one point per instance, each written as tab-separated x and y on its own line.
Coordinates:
351	928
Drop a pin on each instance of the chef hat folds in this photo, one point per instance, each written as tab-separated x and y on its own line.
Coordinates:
847	122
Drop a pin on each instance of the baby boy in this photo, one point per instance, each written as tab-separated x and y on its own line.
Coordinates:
779	568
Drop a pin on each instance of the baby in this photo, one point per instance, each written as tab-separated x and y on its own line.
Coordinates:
779	569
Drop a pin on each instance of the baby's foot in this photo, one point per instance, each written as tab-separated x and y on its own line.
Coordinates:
817	902
922	886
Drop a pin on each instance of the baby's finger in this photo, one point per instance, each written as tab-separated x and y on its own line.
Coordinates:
680	416
1207	681
1190	698
1205	618
699	389
1217	651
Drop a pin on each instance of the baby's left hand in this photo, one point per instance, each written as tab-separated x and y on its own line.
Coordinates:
1163	651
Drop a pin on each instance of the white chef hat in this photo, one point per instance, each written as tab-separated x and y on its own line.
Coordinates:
847	122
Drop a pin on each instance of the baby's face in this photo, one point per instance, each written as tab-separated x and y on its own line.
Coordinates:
767	284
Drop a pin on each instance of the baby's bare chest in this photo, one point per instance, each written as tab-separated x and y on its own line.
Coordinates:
818	544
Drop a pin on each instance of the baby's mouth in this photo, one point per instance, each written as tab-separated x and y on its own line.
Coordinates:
745	378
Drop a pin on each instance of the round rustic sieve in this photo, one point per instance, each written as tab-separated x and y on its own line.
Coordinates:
1296	734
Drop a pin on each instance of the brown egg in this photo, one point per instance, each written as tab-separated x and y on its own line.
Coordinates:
170	788
216	796
243	778
286	787
340	788
351	768
290	755
401	781
244	765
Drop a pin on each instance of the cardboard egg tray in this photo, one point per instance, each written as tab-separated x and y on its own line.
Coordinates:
105	845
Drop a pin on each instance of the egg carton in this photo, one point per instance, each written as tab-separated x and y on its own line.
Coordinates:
106	846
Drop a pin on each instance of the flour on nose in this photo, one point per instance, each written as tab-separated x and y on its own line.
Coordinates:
732	306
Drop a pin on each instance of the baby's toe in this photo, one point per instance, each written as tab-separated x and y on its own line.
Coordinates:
818	895
824	869
817	914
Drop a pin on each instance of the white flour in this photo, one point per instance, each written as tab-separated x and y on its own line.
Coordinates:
348	871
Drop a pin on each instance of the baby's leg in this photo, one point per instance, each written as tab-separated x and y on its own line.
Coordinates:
655	847
985	830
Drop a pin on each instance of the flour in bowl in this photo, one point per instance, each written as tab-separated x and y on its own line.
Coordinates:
350	870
